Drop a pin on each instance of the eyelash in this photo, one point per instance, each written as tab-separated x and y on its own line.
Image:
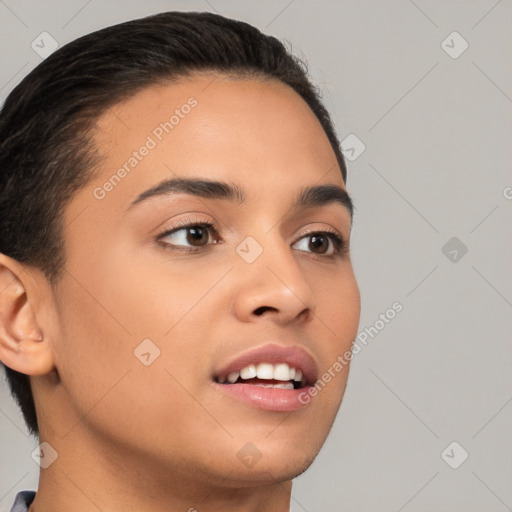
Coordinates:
340	247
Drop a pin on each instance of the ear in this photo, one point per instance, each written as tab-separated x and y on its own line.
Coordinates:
23	346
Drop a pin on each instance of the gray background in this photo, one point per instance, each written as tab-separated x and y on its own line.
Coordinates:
437	132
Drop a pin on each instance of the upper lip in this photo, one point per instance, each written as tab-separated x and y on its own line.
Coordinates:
293	356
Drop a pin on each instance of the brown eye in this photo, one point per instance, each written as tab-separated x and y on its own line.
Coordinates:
197	235
323	243
188	237
319	243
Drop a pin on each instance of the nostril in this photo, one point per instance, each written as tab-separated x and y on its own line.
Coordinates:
262	309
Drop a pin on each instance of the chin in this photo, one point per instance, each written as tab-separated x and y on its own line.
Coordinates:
272	462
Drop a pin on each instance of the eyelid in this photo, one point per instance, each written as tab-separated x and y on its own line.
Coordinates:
186	222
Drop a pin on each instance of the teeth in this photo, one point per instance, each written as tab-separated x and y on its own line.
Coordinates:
282	372
233	376
281	385
284	385
249	372
267	371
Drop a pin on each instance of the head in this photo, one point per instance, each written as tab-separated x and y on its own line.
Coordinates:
99	269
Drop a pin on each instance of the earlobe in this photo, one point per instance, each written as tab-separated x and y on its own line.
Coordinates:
23	346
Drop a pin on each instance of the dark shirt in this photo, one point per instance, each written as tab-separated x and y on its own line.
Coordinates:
23	501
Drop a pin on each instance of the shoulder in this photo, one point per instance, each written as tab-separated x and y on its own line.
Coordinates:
23	501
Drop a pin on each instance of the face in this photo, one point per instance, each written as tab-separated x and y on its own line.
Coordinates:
153	315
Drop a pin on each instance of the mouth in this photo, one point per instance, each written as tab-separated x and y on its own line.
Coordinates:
271	377
280	375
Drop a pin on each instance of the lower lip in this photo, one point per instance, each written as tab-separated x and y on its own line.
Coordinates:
270	399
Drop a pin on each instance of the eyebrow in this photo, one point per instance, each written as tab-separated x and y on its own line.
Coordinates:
308	197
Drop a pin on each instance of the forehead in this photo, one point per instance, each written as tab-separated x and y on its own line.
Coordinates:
258	134
215	115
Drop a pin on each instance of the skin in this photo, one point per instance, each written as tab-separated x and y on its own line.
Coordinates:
162	437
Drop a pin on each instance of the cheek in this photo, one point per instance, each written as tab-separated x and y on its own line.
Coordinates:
104	384
124	302
339	308
339	311
166	303
93	347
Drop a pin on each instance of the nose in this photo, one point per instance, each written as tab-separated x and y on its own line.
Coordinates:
273	287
